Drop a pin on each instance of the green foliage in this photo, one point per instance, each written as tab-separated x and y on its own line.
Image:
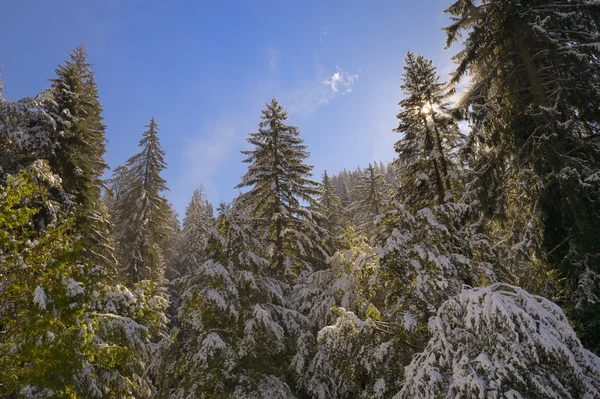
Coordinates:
144	220
534	143
77	153
372	198
236	335
427	152
279	182
62	334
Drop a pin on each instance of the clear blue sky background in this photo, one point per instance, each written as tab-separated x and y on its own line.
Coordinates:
205	69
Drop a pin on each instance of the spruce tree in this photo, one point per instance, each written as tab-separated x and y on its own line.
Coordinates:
354	356
26	133
196	224
430	137
329	206
77	153
372	193
533	110
142	222
281	192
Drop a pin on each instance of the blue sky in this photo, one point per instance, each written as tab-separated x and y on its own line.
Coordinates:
204	70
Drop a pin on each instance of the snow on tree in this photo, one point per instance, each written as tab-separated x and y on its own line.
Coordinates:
142	219
533	107
170	245
427	257
329	206
198	221
430	137
237	334
114	190
372	193
280	186
66	331
77	154
353	356
502	342
26	132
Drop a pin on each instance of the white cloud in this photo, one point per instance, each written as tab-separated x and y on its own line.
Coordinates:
341	81
306	96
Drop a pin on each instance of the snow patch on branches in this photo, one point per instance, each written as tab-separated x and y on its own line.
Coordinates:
501	341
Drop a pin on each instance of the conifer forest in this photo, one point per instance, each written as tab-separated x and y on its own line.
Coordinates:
469	267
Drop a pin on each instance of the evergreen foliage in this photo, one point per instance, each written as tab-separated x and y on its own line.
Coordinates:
329	206
462	269
427	150
533	110
372	197
65	331
142	213
280	184
77	152
237	334
501	341
199	219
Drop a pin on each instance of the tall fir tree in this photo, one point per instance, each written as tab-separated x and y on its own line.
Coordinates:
372	197
430	137
77	154
533	108
329	206
196	225
142	213
27	133
281	192
170	244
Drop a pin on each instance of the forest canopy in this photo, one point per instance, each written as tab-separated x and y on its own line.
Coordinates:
468	267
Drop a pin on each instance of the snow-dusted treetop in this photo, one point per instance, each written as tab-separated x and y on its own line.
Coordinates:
502	342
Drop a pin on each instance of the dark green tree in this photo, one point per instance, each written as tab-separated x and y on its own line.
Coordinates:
430	137
77	152
329	206
281	193
66	331
533	106
196	224
237	335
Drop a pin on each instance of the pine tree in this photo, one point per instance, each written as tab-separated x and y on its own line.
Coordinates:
533	110
114	190
426	152
142	222
279	182
353	356
77	154
170	244
26	133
